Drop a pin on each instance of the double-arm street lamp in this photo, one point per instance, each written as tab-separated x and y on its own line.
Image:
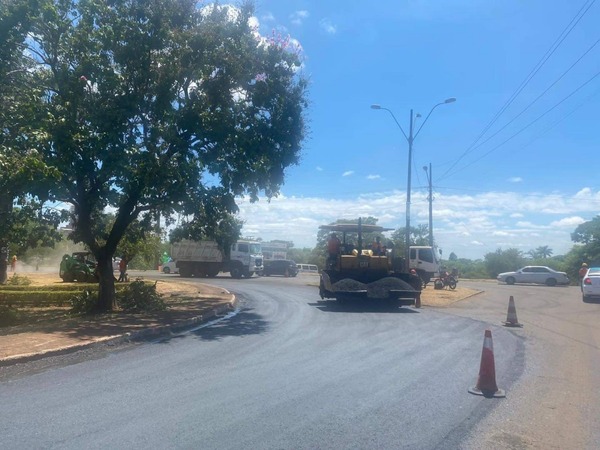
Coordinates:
410	138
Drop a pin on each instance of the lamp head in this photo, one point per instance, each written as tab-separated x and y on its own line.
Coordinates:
375	106
450	100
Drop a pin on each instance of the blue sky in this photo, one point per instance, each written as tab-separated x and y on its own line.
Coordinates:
528	181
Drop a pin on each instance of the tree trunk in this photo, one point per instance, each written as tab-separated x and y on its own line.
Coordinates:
3	262
106	292
6	202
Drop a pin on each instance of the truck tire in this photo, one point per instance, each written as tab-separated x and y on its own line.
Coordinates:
236	272
166	270
185	272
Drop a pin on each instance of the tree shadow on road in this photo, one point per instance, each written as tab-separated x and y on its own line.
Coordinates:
244	323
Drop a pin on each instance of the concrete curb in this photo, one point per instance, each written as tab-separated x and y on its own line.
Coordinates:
162	330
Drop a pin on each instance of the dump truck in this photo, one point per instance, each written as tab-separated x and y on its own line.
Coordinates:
207	259
356	273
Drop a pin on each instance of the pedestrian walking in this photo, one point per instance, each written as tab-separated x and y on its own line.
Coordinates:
122	270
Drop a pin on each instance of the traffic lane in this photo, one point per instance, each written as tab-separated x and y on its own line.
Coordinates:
555	404
281	373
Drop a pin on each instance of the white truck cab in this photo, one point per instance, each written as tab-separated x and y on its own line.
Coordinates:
424	259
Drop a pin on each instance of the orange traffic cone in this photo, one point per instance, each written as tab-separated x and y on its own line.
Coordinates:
486	383
511	316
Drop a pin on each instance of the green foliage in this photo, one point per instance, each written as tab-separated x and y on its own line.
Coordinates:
18	280
140	296
542	252
8	316
588	235
84	303
35	298
157	108
503	261
472	269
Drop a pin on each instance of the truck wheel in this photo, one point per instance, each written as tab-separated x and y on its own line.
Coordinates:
212	273
236	272
166	270
67	277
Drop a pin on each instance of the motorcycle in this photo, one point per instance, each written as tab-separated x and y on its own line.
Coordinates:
445	280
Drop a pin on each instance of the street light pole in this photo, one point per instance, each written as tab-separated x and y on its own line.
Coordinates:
430	198
410	138
408	189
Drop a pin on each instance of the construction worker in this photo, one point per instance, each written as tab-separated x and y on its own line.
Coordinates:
333	249
582	271
376	247
122	270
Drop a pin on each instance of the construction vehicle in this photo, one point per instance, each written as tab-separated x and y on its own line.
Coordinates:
206	259
357	273
79	266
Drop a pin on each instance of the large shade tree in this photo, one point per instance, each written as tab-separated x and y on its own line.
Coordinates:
156	107
24	222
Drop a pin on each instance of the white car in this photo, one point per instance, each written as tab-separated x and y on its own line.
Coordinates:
170	267
590	284
534	274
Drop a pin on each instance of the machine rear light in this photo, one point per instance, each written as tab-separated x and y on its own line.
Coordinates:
587	281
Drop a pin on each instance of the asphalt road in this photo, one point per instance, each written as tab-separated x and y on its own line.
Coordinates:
290	371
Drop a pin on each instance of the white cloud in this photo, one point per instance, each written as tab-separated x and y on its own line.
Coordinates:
297	18
468	225
515	180
319	169
268	17
568	222
347	173
373	177
327	26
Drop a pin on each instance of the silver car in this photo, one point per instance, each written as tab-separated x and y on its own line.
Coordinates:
590	284
534	274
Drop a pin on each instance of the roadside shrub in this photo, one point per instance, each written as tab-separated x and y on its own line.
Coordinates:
84	302
139	296
8	316
18	280
35	298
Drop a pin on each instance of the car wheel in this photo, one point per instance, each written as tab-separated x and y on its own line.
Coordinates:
510	280
167	270
585	299
551	282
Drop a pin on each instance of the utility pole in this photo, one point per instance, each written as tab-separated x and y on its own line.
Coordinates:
430	198
407	236
410	138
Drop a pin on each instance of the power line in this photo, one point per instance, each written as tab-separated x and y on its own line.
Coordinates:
528	106
530	123
559	40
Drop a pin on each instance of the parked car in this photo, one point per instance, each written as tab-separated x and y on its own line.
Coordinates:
534	274
590	284
307	268
170	267
285	267
115	263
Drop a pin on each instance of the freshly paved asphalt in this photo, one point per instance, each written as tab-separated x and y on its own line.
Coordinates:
287	371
